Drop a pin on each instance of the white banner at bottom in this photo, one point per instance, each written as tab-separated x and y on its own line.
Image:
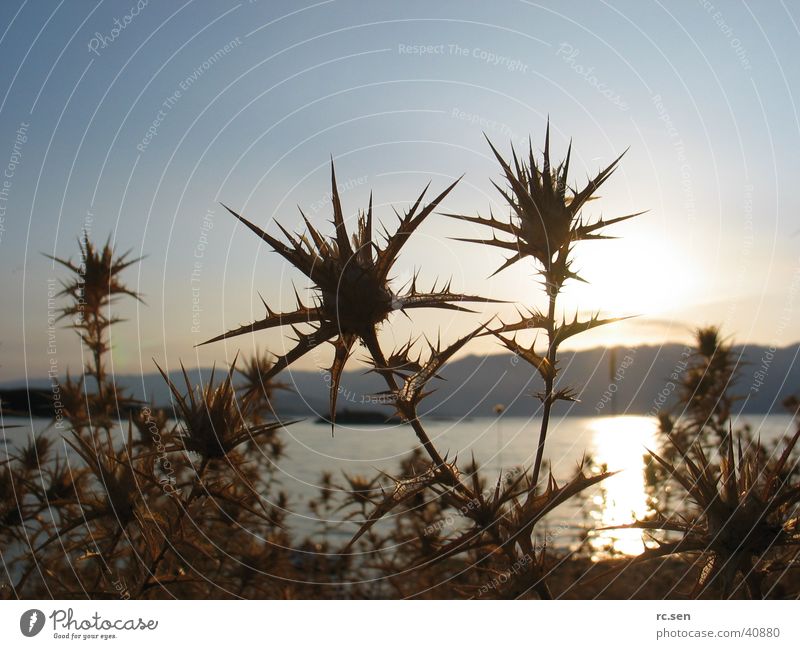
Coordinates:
393	624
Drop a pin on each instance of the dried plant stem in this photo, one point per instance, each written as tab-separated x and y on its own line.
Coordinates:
548	384
109	553
99	371
529	551
151	571
37	551
382	367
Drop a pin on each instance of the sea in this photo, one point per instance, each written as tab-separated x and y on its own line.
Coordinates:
500	446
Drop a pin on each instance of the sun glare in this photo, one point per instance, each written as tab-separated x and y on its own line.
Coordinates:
620	445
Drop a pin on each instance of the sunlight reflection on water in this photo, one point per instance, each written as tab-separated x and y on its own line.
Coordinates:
620	444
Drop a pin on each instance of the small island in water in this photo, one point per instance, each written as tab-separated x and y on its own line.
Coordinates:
360	418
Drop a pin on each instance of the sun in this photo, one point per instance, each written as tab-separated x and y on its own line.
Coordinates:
631	277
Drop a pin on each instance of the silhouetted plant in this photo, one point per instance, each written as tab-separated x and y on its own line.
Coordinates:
744	516
353	297
94	283
733	508
351	284
257	390
706	385
546	222
214	421
135	514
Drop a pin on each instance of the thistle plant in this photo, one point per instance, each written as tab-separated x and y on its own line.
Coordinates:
351	286
733	510
706	386
546	222
214	425
257	390
95	282
702	413
353	298
135	513
744	519
214	422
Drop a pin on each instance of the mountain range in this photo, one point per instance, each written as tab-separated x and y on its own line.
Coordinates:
635	380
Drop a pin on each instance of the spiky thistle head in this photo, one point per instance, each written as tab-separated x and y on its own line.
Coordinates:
212	419
95	280
63	486
351	283
34	454
255	390
360	488
706	386
744	509
546	219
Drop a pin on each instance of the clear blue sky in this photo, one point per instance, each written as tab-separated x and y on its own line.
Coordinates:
399	93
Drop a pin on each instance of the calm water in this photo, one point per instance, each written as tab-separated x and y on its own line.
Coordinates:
619	443
498	445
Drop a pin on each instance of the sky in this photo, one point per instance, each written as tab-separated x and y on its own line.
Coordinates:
135	120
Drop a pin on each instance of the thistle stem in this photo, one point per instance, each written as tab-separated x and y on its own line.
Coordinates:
151	572
549	382
109	553
99	373
382	368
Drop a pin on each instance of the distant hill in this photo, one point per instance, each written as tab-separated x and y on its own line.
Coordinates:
621	380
